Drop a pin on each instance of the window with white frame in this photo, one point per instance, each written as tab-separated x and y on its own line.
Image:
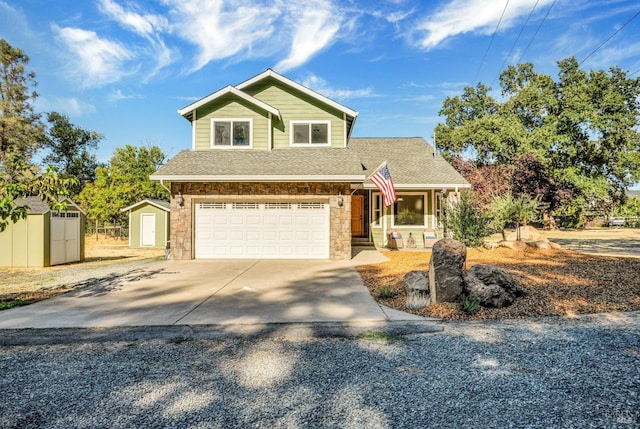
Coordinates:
408	210
310	133
376	209
227	133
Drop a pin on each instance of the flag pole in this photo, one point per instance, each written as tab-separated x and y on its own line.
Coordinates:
377	169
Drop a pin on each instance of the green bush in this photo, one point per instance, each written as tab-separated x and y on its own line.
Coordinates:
465	220
469	305
385	292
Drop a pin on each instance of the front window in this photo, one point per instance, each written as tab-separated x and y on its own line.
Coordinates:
310	133
231	133
409	210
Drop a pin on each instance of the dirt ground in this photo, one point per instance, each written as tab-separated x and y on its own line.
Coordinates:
557	282
21	286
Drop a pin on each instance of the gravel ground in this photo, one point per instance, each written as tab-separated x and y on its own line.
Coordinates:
550	373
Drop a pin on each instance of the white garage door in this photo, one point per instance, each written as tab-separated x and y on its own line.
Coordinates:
262	230
65	237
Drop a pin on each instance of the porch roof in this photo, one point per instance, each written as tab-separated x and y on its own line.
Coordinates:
411	162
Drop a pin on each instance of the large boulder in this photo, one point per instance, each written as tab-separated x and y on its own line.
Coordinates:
491	286
446	270
416	285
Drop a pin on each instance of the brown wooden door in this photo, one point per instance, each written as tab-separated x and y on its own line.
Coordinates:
357	215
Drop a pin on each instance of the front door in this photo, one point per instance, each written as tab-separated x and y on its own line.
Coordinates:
357	215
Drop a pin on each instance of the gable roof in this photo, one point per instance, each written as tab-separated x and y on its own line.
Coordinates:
271	74
187	111
38	206
411	162
277	165
161	204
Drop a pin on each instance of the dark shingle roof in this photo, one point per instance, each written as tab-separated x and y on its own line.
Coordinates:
247	163
411	161
38	206
161	204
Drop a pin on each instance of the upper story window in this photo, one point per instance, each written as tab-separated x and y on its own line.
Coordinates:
310	133
231	133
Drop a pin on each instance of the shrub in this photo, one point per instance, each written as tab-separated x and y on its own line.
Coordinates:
385	292
465	221
469	305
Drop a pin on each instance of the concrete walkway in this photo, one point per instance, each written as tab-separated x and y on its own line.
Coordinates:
206	292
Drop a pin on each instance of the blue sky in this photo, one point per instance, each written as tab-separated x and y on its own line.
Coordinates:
124	67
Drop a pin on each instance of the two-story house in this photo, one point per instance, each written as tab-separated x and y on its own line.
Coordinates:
274	173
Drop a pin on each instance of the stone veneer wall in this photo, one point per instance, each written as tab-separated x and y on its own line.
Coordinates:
182	219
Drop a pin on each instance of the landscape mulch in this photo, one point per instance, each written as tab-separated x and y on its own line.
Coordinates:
556	282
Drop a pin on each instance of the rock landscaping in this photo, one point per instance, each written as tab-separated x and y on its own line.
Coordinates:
548	282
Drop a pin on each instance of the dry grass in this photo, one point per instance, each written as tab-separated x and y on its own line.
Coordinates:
557	282
19	286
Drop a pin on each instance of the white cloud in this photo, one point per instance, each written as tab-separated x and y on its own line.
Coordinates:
315	27
118	95
94	61
320	85
464	16
69	106
149	26
145	25
221	31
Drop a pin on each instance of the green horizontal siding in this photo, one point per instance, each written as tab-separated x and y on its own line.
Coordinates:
297	106
231	107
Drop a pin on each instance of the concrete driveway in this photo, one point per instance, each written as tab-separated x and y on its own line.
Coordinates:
204	292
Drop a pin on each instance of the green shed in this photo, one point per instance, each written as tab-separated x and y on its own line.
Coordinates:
45	237
149	224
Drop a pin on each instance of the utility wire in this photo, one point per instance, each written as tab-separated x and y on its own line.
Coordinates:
491	41
610	37
515	42
536	33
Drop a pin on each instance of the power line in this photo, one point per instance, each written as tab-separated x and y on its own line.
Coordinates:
609	38
515	42
491	41
536	33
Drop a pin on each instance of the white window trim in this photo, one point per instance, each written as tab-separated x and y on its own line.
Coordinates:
425	215
310	121
232	120
376	196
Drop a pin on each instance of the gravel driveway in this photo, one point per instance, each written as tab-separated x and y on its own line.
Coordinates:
554	373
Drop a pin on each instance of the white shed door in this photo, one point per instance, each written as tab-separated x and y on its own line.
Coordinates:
65	237
262	230
148	229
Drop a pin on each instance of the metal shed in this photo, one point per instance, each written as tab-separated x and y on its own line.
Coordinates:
45	237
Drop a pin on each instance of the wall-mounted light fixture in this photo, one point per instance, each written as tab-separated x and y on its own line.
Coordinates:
180	200
340	200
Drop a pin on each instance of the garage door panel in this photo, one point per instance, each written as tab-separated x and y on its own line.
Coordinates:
262	230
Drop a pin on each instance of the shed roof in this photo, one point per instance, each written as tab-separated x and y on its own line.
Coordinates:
161	204
38	206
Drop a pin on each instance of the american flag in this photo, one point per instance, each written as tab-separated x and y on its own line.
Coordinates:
382	179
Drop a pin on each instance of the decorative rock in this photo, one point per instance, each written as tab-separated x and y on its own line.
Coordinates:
513	245
527	233
446	275
492	286
417	287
